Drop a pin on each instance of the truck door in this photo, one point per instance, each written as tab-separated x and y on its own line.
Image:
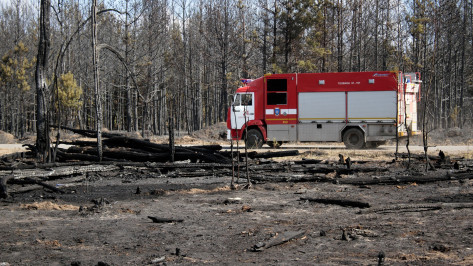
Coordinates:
281	107
243	108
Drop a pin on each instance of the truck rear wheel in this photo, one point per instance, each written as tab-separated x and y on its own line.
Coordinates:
354	139
254	139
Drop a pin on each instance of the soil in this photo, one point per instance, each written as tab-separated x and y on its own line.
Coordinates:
6	138
103	220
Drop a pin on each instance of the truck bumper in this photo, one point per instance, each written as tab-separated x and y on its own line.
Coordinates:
234	134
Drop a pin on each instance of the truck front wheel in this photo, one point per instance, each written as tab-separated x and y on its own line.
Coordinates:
254	139
354	139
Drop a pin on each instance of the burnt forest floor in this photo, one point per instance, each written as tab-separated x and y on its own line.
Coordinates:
103	218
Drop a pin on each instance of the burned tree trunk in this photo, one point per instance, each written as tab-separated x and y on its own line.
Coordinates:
98	100
172	150
42	128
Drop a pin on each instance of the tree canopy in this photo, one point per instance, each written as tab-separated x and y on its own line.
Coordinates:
182	58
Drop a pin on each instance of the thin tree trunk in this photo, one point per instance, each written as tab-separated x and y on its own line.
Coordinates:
42	127
129	95
98	103
340	36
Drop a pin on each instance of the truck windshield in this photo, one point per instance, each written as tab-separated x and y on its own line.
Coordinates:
243	99
246	99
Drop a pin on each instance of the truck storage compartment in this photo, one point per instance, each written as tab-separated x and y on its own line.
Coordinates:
320	131
282	132
321	107
372	106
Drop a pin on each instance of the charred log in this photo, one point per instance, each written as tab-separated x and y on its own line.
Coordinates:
341	202
279	239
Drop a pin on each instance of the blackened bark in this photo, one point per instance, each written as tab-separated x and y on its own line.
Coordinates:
42	128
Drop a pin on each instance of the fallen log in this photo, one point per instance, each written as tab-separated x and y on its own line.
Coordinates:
271	177
341	202
37	176
279	239
314	168
308	161
165	220
136	155
87	133
57	172
420	157
404	180
200	156
122	141
214	173
121	154
32	181
142	150
437	158
16	156
35	165
418	207
62	156
80	143
264	155
117	140
172	166
273	154
4	192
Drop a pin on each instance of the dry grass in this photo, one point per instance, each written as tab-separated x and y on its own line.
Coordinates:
47	205
49	243
204	191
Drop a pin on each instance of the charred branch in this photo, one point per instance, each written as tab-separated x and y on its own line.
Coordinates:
279	239
341	202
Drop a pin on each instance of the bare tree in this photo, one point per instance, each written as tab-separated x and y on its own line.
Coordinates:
42	124
98	100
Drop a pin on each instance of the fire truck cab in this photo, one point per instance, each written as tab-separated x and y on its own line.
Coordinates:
361	109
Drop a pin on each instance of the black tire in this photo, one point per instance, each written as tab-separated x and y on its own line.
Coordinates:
274	144
254	139
354	139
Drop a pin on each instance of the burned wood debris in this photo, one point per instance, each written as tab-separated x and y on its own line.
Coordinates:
341	202
278	239
138	157
165	220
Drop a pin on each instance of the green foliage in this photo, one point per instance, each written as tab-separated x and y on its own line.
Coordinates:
295	18
15	68
277	69
306	66
69	92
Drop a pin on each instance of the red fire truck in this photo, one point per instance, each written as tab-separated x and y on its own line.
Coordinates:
362	109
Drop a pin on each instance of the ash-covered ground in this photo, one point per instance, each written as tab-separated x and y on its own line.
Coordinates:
104	219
